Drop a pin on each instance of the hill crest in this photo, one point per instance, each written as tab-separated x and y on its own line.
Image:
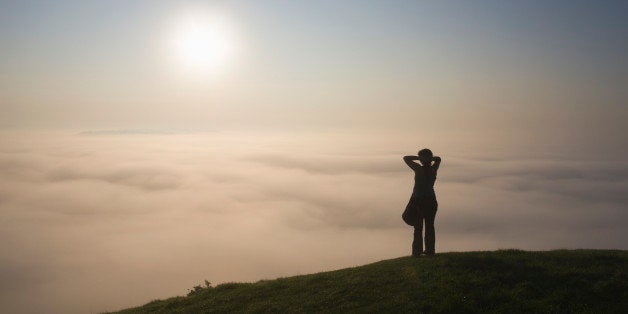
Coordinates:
494	281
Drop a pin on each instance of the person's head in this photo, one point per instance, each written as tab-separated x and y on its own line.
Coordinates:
425	156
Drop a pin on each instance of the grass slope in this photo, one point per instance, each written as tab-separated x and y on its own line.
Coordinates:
594	281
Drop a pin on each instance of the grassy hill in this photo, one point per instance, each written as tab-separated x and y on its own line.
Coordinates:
594	281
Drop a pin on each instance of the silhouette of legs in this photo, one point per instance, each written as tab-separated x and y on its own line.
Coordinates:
417	243
430	235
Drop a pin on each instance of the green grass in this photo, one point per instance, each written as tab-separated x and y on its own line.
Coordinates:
565	281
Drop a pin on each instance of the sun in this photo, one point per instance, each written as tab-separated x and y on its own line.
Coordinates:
203	42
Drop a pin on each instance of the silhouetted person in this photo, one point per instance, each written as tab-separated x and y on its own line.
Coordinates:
423	200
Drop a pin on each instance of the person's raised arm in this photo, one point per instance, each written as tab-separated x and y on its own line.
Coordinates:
436	160
409	161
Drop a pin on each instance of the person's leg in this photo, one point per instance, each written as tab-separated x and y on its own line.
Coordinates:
430	236
417	243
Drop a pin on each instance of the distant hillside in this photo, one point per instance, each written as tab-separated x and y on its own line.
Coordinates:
565	281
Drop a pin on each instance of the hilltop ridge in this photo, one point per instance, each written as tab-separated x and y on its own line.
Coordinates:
471	282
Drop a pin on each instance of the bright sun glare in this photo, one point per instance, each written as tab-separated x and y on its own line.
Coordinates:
203	42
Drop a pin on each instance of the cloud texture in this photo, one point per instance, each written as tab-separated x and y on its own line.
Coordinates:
95	222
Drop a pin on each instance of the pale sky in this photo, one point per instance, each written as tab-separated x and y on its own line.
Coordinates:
543	65
148	145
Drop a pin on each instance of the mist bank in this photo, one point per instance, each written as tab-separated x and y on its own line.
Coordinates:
93	217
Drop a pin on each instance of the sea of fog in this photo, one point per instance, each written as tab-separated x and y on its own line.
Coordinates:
97	221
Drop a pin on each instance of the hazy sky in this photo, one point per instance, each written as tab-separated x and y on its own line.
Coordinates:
542	65
148	145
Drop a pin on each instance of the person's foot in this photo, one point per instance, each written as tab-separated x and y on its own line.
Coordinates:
416	251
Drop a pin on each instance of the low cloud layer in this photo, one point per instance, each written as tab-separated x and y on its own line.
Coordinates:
102	221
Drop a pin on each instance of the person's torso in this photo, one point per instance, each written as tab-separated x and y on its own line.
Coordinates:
424	182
